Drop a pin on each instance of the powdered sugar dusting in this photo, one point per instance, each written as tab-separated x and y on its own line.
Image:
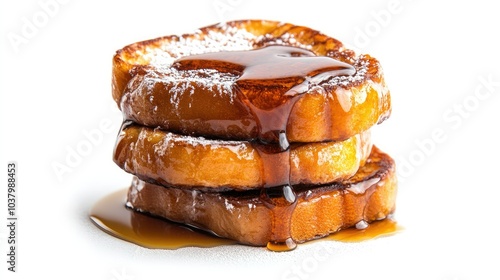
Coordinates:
229	205
227	38
158	59
241	149
286	39
181	82
345	81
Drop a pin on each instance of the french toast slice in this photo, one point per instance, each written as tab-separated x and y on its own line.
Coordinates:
321	210
166	158
153	90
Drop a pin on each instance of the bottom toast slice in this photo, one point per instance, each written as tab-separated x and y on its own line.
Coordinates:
321	210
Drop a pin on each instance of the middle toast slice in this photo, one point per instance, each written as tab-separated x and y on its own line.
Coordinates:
162	157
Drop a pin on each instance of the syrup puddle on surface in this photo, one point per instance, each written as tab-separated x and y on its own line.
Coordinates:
382	228
111	216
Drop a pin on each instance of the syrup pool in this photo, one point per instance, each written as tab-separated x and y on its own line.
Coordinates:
112	216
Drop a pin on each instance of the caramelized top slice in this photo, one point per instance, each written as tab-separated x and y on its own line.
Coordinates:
225	81
271	75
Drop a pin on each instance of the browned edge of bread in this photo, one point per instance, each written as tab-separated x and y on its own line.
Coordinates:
321	210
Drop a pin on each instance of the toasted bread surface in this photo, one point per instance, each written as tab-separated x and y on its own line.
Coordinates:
166	158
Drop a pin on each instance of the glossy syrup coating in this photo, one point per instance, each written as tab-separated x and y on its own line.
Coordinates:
267	82
157	84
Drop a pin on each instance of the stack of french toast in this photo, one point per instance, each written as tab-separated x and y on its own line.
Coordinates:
257	131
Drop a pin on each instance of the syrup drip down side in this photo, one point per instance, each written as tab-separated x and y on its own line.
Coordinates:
164	83
273	92
271	80
366	199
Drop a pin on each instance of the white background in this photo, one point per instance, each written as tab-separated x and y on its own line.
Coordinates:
55	87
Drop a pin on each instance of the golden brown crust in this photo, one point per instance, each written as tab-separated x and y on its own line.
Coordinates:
151	92
368	196
195	162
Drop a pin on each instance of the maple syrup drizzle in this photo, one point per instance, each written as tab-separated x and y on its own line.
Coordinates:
271	80
112	216
376	229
